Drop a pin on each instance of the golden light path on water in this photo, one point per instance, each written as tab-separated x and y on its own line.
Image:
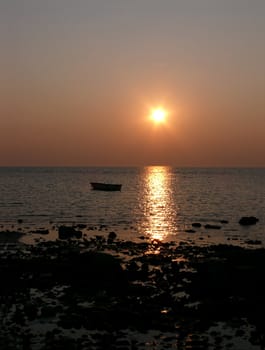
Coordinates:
159	208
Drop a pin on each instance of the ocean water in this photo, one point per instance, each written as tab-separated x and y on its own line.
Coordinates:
157	202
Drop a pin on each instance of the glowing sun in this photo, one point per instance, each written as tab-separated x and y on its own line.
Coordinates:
158	115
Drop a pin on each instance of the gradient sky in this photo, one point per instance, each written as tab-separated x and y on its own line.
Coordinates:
78	79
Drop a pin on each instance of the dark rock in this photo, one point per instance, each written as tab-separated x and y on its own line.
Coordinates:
81	226
100	238
99	292
41	232
190	231
10	236
66	232
132	266
78	234
224	221
196	224
253	242
99	270
48	311
111	236
248	220
30	310
212	227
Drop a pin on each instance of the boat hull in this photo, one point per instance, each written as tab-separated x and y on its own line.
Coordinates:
100	186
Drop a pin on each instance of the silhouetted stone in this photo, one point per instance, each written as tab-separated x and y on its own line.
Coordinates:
248	220
99	270
112	235
10	236
253	242
196	224
180	287
31	310
212	227
41	232
78	234
66	232
81	226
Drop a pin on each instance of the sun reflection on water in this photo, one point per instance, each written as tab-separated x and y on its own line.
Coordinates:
159	211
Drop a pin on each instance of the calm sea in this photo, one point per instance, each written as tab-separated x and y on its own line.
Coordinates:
158	202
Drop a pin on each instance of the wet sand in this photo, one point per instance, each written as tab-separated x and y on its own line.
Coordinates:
106	293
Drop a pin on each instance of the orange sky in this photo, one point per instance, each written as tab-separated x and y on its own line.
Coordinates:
79	79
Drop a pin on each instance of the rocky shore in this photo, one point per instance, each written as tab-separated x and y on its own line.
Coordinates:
106	293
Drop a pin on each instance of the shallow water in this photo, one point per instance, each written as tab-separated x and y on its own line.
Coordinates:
159	202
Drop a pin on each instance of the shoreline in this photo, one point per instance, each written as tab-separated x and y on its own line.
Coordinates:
89	292
203	233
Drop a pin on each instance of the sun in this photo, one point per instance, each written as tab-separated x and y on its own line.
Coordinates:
158	115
